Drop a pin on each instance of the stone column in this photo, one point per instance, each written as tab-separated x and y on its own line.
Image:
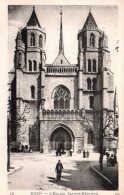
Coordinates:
42	79
85	140
80	81
46	145
72	103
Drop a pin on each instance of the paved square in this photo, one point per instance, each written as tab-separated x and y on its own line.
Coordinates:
38	173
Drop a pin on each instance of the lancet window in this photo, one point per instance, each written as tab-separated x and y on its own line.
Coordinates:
32	39
40	41
32	92
92	40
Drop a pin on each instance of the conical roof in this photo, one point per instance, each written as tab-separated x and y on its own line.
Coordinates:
33	21
90	22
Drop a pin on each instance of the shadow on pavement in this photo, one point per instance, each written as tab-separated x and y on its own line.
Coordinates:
81	178
52	179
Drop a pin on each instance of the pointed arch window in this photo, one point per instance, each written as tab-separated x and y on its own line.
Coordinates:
61	98
91	99
89	84
33	138
32	92
92	40
32	39
30	65
89	65
35	65
40	41
94	84
94	65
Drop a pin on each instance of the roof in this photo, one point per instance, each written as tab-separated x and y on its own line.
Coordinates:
33	21
90	22
61	60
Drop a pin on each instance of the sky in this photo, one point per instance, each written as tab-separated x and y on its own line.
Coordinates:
74	17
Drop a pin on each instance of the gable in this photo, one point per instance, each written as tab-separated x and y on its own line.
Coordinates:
61	60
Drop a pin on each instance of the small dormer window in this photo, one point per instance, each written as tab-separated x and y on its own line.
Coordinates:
61	61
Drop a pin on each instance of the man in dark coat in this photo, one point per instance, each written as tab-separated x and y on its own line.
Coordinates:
59	168
84	154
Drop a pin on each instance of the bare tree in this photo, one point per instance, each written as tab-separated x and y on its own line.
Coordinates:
101	126
15	123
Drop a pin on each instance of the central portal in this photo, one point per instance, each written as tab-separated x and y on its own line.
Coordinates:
61	139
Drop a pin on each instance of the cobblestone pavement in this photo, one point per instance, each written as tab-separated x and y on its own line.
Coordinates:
38	173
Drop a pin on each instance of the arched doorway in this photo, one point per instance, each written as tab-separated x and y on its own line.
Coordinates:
61	139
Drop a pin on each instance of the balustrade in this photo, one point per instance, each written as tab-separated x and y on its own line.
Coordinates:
63	114
61	70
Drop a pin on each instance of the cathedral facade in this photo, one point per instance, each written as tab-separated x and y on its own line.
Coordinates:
59	94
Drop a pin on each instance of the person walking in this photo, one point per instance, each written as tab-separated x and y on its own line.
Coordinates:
87	154
58	170
112	160
84	154
71	151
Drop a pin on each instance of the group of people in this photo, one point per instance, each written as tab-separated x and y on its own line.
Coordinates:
26	149
85	154
111	159
59	152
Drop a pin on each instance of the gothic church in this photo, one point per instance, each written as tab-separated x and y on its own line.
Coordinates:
59	93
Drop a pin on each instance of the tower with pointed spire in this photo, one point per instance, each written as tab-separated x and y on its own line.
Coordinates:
59	94
61	43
